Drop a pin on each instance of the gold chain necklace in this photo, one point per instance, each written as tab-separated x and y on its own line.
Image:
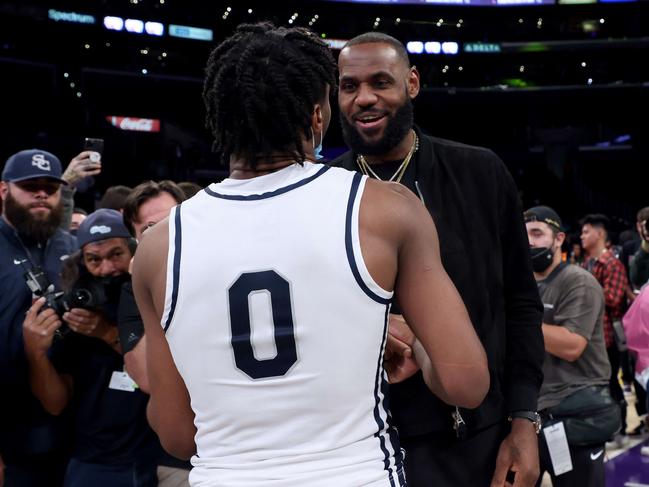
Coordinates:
401	170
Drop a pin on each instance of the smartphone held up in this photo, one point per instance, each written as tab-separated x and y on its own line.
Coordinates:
96	146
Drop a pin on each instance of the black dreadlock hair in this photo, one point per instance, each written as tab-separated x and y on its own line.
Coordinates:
260	87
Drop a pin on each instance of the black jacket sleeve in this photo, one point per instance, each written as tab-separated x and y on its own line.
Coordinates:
129	321
524	310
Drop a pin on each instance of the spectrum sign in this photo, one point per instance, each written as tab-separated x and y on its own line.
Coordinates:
74	17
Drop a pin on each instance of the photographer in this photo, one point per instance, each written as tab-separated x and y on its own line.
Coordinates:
113	444
32	442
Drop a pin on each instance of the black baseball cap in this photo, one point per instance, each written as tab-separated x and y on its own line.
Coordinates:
543	214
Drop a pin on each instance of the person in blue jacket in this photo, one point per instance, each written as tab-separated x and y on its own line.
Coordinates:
32	442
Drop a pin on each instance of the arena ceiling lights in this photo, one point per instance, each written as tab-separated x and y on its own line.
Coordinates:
137	26
336	44
433	47
134	25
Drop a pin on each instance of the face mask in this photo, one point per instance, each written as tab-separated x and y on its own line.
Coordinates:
316	148
541	258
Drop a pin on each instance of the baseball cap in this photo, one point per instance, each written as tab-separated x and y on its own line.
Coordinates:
32	164
543	214
101	225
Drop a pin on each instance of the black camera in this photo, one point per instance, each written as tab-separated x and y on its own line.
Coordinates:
87	292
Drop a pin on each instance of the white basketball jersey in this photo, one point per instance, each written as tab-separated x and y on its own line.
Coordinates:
278	331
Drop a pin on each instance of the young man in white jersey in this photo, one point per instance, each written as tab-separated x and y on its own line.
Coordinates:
265	297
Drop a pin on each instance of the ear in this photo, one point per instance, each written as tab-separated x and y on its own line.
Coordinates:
4	189
131	242
317	120
413	83
561	237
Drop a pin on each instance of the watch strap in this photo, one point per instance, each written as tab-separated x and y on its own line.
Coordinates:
532	416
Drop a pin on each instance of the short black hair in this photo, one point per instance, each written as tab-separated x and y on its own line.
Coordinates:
114	198
380	37
80	211
260	87
596	220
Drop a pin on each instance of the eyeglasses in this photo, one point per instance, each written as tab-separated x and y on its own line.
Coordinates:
36	186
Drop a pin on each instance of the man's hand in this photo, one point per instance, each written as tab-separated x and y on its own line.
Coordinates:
81	167
399	359
518	453
86	322
38	329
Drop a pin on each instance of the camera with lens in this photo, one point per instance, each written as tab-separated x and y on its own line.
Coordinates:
87	292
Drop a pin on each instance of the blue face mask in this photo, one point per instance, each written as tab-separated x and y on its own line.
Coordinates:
317	149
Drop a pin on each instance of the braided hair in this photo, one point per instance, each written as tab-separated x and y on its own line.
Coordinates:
260	87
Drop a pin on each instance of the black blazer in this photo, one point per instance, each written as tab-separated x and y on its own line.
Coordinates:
484	249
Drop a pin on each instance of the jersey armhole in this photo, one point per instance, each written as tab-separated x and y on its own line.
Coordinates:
353	244
173	268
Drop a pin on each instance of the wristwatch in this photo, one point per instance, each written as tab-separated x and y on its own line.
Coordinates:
532	416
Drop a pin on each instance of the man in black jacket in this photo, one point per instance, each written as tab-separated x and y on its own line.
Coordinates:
484	248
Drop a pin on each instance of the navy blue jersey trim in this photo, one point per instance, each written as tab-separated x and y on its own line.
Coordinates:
270	194
176	270
350	248
377	415
392	432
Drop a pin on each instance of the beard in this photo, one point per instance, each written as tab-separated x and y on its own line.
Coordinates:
396	129
28	226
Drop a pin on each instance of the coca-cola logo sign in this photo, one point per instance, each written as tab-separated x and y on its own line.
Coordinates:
133	123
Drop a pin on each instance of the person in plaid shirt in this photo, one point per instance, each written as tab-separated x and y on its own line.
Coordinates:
611	274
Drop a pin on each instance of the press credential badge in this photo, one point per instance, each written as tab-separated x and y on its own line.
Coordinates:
555	438
121	381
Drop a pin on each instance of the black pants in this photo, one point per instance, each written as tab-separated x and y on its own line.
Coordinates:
440	459
626	365
640	393
616	390
136	474
46	470
587	466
